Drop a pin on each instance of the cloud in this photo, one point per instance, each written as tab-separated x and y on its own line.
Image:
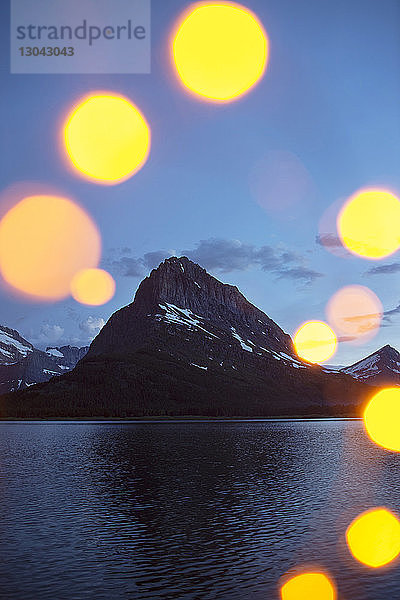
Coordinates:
347	338
387	320
55	335
91	327
50	333
126	266
268	258
300	274
393	311
223	256
129	266
329	240
151	260
384	269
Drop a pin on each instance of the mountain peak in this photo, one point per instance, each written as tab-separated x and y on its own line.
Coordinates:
181	261
381	367
388	349
179	284
386	354
184	283
181	266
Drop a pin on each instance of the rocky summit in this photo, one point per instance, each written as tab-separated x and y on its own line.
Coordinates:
190	345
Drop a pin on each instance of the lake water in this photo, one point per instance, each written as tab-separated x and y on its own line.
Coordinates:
206	510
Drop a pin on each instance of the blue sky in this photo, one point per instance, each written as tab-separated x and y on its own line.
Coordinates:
327	106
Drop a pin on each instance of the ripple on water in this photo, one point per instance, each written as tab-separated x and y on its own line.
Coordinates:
185	510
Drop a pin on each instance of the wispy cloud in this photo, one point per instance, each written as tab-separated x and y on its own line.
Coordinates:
121	262
151	260
126	266
388	315
384	269
299	273
348	338
223	256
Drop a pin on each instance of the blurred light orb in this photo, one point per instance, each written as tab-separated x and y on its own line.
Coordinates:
309	586
373	538
382	418
93	287
315	341
355	311
44	241
107	138
369	223
220	50
282	185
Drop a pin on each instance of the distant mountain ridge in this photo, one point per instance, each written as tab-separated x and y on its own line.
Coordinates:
379	368
67	356
22	365
190	345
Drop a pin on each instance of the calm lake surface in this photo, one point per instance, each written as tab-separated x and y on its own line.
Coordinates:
213	510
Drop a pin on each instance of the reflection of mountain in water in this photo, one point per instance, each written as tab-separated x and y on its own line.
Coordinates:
156	511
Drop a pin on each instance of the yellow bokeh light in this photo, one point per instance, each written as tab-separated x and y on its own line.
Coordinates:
369	223
382	418
44	241
355	311
220	50
107	138
309	586
93	286
315	341
373	538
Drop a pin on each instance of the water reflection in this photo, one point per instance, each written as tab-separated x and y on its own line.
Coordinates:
185	510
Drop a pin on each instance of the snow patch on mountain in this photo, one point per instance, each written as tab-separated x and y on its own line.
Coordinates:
244	344
182	316
54	352
9	340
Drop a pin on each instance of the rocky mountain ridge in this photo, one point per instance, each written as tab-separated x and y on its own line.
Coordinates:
382	367
22	365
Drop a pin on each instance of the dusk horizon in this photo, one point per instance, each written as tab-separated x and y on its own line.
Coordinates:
200	317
